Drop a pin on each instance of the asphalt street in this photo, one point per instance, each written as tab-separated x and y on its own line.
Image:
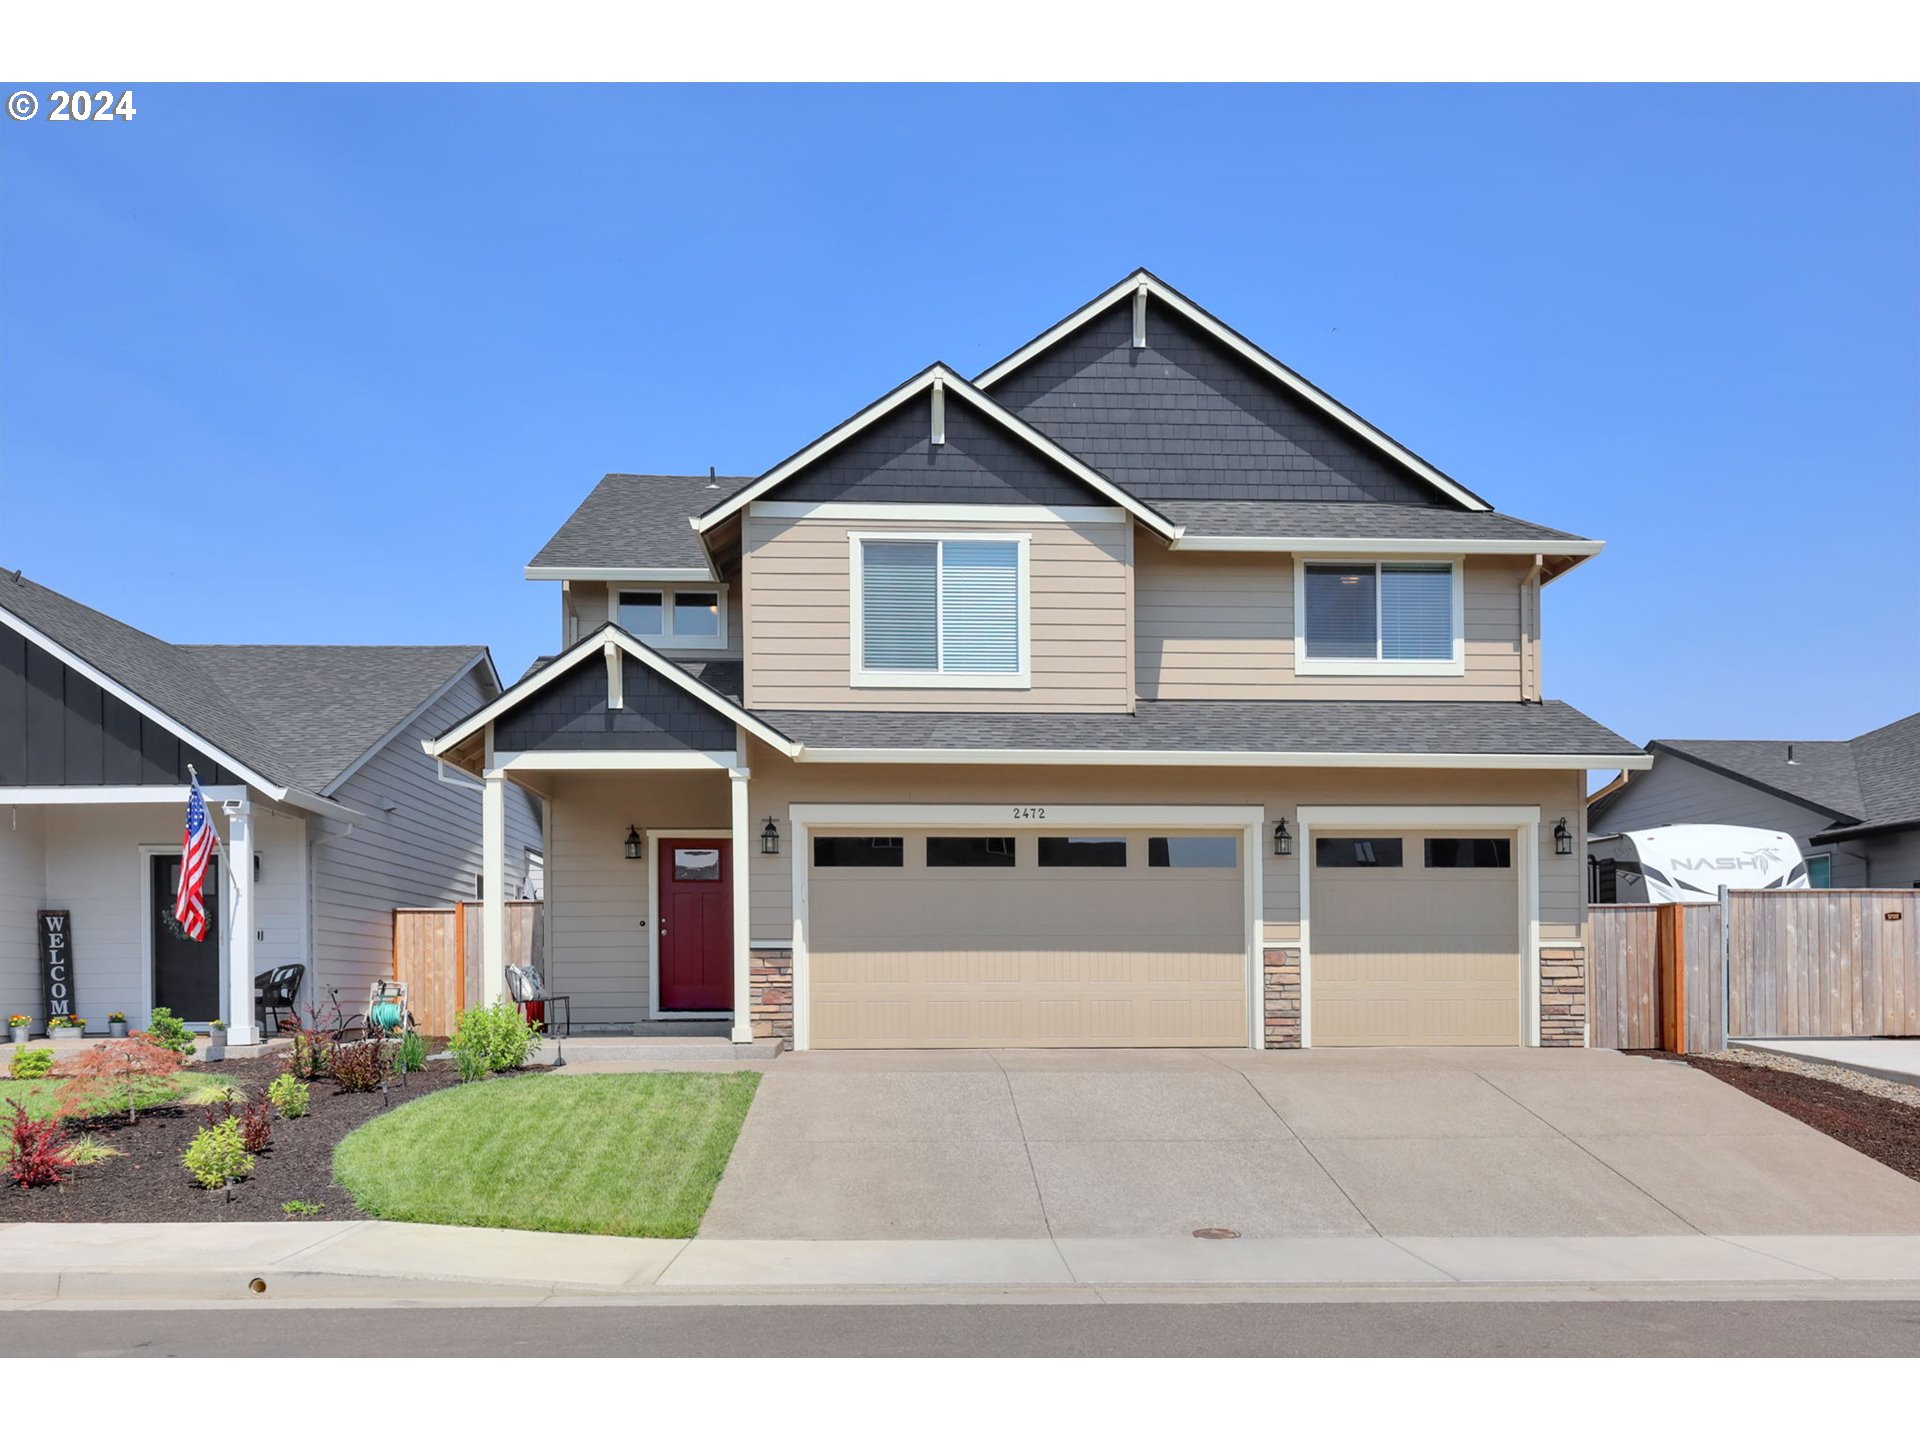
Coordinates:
1765	1328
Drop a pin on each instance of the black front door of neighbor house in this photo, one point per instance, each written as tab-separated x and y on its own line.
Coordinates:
186	973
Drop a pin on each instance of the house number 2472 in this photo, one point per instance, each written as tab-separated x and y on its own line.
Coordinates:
1029	812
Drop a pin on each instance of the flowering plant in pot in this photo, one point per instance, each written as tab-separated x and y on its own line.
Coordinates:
21	1027
217	1040
117	1025
66	1027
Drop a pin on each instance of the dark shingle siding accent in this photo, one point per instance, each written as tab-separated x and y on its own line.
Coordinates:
894	461
1372	727
1347	520
1187	419
571	714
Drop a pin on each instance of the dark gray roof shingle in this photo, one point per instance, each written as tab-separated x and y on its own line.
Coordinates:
639	522
1370	727
1359	520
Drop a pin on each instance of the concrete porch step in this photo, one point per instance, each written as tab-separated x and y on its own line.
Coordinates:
652	1052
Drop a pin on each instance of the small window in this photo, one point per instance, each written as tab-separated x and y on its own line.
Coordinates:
642	613
1349	853
1193	852
1100	852
692	864
696	614
979	852
1820	872
852	852
1470	854
1379	611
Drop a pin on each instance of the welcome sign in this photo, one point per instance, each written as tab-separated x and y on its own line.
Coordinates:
56	961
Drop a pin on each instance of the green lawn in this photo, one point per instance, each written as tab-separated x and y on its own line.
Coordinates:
587	1154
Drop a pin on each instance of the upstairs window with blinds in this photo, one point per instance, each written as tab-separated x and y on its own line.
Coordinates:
940	611
1379	611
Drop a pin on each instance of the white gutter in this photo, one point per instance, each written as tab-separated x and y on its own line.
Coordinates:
1244	758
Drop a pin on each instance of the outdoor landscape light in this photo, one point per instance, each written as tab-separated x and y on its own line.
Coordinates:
1282	841
1562	838
634	847
770	838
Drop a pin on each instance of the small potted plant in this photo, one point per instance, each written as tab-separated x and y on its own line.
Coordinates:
117	1025
22	1028
217	1040
66	1027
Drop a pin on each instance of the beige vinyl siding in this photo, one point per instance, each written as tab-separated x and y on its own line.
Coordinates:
418	845
778	783
798	609
597	920
1221	627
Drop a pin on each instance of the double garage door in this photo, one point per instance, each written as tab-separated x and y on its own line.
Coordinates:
1130	937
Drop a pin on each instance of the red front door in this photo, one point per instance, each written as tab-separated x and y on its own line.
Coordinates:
696	924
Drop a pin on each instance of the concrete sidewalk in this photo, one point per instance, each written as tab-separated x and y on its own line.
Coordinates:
375	1262
1895	1060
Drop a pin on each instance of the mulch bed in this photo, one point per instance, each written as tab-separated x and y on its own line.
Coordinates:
1884	1129
148	1183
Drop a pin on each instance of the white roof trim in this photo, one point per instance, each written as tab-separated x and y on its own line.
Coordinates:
590	645
985	404
1302	387
1251	759
1352	545
618	572
153	712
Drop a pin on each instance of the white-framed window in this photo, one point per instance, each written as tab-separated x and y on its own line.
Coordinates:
944	611
674	617
1378	617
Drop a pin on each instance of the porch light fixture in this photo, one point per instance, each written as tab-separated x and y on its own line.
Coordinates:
1282	841
634	847
1562	837
770	838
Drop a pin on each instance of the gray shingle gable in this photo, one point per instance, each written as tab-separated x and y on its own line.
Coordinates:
638	521
1187	419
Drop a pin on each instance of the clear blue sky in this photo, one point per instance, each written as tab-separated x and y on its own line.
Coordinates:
330	364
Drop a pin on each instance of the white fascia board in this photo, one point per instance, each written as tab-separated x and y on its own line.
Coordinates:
1195	817
1247	350
508	762
1348	545
985	404
931	514
591	645
114	794
660	574
153	712
1246	759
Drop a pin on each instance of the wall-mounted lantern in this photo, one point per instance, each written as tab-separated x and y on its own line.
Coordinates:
770	838
1562	837
1282	841
635	847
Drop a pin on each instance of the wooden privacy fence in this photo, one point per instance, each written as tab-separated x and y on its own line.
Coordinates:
1762	964
436	951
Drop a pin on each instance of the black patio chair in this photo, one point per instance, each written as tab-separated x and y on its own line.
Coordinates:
527	988
275	994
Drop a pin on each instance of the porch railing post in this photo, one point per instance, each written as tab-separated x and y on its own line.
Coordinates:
743	851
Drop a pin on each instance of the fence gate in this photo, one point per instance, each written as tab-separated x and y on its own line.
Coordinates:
436	951
1815	963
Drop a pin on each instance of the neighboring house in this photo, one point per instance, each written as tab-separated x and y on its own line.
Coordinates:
1133	692
310	759
1852	805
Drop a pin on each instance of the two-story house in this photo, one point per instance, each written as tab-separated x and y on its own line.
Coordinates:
1133	692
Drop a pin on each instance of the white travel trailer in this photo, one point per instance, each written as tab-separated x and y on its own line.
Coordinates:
1687	864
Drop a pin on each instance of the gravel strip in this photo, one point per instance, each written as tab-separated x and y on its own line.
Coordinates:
1815	1070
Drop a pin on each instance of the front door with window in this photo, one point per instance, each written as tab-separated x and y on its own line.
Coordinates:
186	973
696	925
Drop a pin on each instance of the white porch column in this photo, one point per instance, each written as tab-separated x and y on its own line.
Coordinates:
744	848
241	1028
493	889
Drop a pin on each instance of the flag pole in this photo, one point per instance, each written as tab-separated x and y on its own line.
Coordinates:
233	882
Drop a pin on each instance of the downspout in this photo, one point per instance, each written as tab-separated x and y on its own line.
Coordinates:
1530	686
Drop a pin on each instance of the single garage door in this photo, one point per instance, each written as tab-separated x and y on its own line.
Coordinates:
1415	939
935	939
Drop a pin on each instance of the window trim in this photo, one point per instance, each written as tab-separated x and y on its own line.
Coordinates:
667	640
1304	664
860	677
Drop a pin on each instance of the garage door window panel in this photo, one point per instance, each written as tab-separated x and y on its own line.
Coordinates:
1192	852
1083	852
943	611
1471	853
976	852
1341	852
859	852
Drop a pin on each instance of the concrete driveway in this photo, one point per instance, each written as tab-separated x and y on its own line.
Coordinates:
975	1144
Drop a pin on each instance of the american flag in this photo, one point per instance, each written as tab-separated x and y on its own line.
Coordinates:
196	845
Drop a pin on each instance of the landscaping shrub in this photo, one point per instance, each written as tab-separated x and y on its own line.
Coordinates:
31	1064
491	1038
117	1074
218	1154
35	1158
311	1055
302	1207
88	1150
411	1054
289	1096
360	1065
255	1120
170	1032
